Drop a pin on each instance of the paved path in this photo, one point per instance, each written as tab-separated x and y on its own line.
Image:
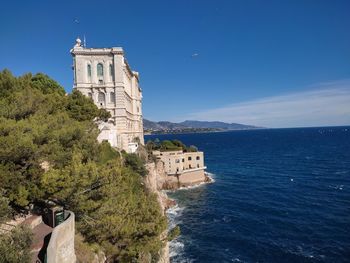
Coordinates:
42	233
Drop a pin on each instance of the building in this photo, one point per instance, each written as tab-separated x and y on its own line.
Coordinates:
104	75
187	167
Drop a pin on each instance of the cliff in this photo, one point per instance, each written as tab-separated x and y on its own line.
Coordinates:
155	181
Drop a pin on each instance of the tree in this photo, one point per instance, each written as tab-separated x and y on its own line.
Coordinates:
15	245
135	163
49	151
82	108
46	85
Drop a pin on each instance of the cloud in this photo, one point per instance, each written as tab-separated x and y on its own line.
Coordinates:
325	104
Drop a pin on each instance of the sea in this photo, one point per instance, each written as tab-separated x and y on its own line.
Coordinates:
279	195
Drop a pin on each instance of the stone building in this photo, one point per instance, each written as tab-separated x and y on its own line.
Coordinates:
104	75
185	167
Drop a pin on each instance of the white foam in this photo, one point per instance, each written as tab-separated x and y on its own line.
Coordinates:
177	252
175	210
337	187
173	215
192	186
176	248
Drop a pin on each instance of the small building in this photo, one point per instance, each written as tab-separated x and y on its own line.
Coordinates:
187	167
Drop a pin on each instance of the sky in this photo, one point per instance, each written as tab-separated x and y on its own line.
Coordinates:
266	63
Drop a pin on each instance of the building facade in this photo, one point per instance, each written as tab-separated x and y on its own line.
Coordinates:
187	167
104	75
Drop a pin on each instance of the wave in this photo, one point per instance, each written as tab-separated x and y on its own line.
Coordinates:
173	215
176	248
337	187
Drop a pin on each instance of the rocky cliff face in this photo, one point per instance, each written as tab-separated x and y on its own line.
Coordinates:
154	182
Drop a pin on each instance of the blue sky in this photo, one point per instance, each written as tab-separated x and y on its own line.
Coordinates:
248	54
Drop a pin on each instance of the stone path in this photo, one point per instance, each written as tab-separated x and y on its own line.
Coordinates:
42	233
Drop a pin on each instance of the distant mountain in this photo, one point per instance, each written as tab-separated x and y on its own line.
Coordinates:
217	125
192	126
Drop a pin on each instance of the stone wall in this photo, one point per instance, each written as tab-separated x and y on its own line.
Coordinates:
158	179
192	177
61	245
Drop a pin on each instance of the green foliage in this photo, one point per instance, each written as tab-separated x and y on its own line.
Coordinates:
46	85
82	108
15	245
5	209
107	153
192	148
49	150
128	222
166	145
169	146
174	233
135	163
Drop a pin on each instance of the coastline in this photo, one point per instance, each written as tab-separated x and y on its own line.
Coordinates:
203	132
155	181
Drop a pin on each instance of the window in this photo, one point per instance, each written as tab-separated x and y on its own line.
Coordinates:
111	71
112	97
190	158
183	160
99	70
177	161
89	70
90	95
197	158
197	165
101	98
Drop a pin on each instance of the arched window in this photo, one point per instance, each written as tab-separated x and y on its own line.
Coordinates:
101	98
99	70
89	70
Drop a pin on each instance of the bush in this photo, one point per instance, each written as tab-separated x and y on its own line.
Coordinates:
166	145
174	233
5	209
135	163
15	245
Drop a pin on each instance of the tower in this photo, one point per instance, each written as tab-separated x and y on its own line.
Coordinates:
104	75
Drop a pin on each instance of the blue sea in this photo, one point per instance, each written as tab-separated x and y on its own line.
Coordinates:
280	195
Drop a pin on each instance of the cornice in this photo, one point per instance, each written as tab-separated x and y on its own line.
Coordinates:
95	51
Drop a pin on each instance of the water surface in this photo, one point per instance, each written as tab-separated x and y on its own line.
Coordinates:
280	195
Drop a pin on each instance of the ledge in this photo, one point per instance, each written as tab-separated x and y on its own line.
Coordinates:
189	170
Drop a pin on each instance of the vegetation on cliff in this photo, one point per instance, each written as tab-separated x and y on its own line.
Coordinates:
49	151
15	244
167	145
